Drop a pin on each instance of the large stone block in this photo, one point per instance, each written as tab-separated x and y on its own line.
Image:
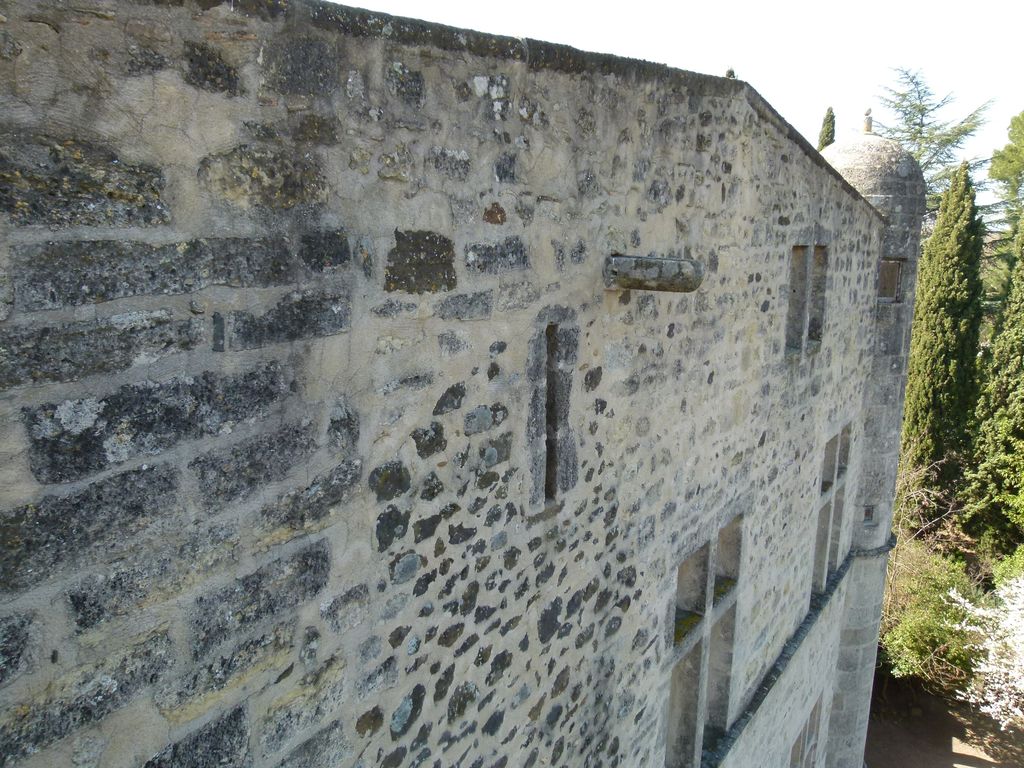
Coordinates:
223	743
420	262
265	177
75	438
263	594
58	532
309	509
14	639
318	694
304	315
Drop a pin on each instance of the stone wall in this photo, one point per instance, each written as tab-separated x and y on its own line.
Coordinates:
324	443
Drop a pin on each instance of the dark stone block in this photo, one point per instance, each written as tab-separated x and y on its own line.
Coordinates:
266	177
429	440
223	743
305	509
60	274
85	696
206	69
370	721
451	400
273	589
432	487
72	351
307	703
146	575
309	314
392	308
348	609
325	250
14	636
144	61
343	428
76	438
406	84
317	129
420	262
407	712
505	169
59	531
465	306
496	451
459	701
492	259
549	621
234	473
392	525
389	480
65	183
326	749
453	163
304	66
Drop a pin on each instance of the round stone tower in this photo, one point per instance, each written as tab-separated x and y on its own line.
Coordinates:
892	182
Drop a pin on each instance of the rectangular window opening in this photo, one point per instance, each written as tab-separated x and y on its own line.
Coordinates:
828	464
691	593
844	450
796	315
682	737
816	319
551	415
719	678
890	273
869	515
834	558
727	558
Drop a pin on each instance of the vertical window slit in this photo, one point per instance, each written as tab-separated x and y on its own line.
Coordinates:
551	416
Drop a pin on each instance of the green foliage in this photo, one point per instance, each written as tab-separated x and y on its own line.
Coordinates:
941	380
933	142
922	633
994	494
828	130
1008	163
1010	568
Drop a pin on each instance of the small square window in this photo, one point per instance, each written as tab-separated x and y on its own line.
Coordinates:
889	274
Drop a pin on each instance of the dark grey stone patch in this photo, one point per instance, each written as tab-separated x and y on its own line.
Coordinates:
429	440
14	637
451	399
392	308
229	474
549	621
465	306
223	743
453	163
306	509
85	696
496	451
420	262
65	183
76	438
432	487
266	177
144	61
60	274
370	721
120	590
389	480
321	251
459	701
309	314
304	66
276	587
316	695
58	531
206	69
516	296
406	84
74	350
592	379
403	567
317	129
218	674
450	343
347	610
407	712
491	259
505	169
325	749
343	428
586	183
416	382
483	417
392	525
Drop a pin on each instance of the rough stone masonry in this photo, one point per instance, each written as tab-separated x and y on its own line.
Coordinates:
323	442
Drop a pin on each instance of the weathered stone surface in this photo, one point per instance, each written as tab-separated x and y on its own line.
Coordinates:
69	352
14	639
420	262
263	594
389	480
223	742
318	694
61	531
326	749
429	440
406	84
309	509
453	163
84	696
343	427
653	273
304	66
64	183
76	438
321	251
205	68
264	177
69	273
465	306
492	259
234	473
317	129
147	576
309	314
348	609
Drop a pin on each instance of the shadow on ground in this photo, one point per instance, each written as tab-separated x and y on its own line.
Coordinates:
910	728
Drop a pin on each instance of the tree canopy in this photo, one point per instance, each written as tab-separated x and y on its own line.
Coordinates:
827	135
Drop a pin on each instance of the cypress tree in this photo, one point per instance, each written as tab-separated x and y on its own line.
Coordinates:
942	377
995	488
828	130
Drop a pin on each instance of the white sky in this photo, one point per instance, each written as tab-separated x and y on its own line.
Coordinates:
801	56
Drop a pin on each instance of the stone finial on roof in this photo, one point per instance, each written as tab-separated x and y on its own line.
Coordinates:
868	121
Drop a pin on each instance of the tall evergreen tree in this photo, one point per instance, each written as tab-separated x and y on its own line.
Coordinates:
995	488
941	380
828	130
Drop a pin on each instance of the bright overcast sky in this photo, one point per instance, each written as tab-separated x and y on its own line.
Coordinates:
801	56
